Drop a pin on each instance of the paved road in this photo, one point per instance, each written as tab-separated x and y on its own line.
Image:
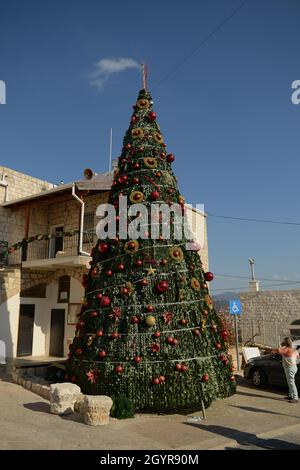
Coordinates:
250	419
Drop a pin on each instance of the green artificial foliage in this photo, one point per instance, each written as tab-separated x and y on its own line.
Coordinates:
147	328
122	408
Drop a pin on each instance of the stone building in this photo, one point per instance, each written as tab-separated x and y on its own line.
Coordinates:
40	288
269	316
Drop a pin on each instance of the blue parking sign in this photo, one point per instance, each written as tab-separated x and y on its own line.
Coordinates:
235	307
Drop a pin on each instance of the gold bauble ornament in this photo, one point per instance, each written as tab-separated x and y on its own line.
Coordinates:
150	320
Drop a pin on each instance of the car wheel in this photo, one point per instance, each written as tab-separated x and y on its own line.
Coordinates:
259	378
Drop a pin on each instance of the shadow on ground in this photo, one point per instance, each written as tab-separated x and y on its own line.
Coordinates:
261	410
38	406
246	439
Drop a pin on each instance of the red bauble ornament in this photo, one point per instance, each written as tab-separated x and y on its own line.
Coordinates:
136	180
205	312
162	155
120	266
128	146
152	116
183	321
184	368
99	296
105	302
138	263
164	262
114	335
94	314
170	158
102	354
144	282
170	340
81	324
218	346
150	308
232	378
156	334
133	119
205	378
99	333
178	367
124	291
119	369
103	247
162	379
155	381
136	166
109	272
155	195
162	286
134	320
208	276
224	335
175	342
137	359
196	332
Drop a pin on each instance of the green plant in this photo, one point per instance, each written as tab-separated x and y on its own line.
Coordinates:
122	407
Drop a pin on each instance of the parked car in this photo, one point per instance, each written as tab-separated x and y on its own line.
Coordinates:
268	370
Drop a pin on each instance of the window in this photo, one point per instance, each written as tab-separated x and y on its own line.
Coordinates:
63	289
88	227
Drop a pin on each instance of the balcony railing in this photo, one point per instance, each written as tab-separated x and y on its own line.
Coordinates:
54	247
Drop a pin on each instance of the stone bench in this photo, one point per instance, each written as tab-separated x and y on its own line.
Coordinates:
63	397
96	409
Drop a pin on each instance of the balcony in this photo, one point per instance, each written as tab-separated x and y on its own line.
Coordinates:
56	252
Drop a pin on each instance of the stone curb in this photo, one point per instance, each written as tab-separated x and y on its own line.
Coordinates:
35	387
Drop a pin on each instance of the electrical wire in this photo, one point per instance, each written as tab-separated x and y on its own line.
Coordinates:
265	221
204	41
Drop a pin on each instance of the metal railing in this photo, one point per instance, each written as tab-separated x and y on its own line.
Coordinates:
53	247
3	253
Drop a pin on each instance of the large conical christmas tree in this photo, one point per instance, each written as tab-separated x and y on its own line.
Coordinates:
147	327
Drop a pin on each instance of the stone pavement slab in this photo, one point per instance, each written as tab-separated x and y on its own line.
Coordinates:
25	423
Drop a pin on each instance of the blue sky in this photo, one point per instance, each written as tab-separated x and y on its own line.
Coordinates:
226	113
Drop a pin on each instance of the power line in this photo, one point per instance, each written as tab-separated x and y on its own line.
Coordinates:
290	281
204	41
265	221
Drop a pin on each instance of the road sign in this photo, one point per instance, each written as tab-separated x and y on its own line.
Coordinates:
235	307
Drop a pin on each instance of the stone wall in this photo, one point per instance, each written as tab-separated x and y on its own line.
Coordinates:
12	223
12	280
21	185
268	315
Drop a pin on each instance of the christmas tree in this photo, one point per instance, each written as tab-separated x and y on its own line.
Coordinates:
147	327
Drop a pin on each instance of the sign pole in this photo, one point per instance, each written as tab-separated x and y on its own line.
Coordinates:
235	308
236	342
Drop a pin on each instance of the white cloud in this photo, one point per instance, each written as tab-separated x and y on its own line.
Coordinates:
106	67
